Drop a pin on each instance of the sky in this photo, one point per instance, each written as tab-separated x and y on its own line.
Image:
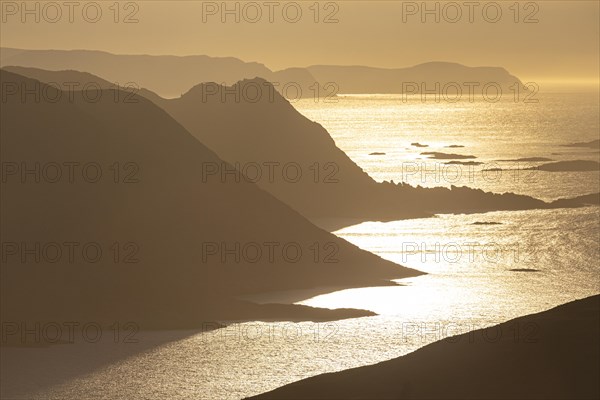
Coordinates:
540	41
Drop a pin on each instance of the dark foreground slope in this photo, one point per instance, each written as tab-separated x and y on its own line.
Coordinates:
107	215
554	355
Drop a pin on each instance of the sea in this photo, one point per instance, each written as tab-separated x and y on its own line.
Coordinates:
482	269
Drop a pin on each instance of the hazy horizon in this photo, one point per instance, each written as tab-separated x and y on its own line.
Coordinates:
553	42
551	85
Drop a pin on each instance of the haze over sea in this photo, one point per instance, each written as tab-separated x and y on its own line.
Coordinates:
470	282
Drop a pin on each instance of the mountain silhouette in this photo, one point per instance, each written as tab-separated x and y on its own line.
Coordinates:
361	79
168	75
267	129
250	125
550	355
171	76
127	182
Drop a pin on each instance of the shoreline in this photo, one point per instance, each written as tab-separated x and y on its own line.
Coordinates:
299	295
550	354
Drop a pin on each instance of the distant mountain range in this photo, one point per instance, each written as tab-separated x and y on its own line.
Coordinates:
171	76
361	79
168	75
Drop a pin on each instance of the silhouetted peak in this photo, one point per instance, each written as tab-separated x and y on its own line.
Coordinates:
255	90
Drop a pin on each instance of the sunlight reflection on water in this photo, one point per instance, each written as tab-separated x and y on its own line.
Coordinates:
459	294
488	131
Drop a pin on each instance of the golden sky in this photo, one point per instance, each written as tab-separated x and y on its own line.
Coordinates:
562	45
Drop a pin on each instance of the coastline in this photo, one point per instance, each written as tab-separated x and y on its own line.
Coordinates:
295	296
551	354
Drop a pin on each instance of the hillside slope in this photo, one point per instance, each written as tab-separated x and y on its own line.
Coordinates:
108	213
